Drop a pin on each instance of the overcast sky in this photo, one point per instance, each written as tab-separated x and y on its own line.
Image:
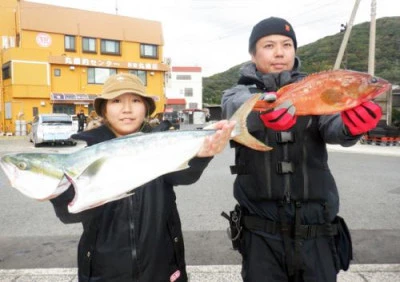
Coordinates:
213	34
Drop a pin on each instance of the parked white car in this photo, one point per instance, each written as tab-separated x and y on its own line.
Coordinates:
52	128
75	124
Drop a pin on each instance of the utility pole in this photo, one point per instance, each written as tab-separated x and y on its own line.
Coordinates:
346	36
372	35
116	7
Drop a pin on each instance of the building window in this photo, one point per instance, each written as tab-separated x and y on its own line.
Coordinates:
69	43
183	77
7	110
110	47
141	74
88	45
193	106
6	70
188	92
148	51
99	75
64	108
57	72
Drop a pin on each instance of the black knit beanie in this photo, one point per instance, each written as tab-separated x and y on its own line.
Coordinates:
271	26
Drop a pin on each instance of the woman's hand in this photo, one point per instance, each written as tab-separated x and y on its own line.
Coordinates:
216	143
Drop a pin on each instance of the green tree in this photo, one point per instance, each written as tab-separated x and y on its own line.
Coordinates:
321	55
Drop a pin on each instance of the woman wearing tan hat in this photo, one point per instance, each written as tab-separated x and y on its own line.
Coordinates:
137	238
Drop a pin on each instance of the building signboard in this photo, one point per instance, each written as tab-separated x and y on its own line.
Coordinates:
90	62
43	39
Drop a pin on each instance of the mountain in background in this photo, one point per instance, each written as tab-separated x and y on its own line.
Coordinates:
321	55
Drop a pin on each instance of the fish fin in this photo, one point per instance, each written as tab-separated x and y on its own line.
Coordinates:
263	106
90	170
240	132
62	186
86	174
73	209
72	182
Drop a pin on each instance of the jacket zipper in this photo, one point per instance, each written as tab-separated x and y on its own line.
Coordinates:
305	171
286	176
267	165
135	264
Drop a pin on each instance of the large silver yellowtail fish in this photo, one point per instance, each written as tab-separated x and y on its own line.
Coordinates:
113	169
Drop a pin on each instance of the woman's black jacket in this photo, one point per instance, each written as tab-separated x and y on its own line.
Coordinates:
138	238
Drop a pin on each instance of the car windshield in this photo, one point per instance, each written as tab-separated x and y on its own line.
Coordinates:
57	119
172	115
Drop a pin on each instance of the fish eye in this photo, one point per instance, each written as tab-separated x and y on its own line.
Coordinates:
22	165
374	80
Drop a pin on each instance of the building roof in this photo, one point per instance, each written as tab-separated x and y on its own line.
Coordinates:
62	20
186	69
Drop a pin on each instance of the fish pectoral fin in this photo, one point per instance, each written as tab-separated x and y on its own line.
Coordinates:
71	180
61	187
73	209
86	174
84	177
93	168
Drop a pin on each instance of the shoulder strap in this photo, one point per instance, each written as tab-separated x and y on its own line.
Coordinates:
254	89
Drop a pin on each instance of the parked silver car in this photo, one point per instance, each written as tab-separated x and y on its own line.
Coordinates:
51	128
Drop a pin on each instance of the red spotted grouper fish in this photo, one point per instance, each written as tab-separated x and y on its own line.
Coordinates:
328	92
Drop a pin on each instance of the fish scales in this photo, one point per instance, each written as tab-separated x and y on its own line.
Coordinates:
112	168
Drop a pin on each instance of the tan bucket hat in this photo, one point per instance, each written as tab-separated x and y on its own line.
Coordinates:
122	83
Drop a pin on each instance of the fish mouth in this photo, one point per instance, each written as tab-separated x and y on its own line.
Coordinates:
386	87
380	89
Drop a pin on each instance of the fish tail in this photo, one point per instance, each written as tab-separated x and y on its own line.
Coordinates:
240	132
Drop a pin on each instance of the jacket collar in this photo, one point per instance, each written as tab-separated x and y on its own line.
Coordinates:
269	81
94	136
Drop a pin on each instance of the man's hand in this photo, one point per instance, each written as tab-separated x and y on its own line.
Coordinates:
216	143
282	117
362	118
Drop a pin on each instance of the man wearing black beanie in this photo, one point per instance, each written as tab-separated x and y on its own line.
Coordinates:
270	26
286	224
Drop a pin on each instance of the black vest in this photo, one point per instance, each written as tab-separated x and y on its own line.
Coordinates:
296	168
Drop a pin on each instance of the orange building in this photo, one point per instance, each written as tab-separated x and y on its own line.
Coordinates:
56	59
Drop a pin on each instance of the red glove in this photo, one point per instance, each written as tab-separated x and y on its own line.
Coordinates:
282	117
362	118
